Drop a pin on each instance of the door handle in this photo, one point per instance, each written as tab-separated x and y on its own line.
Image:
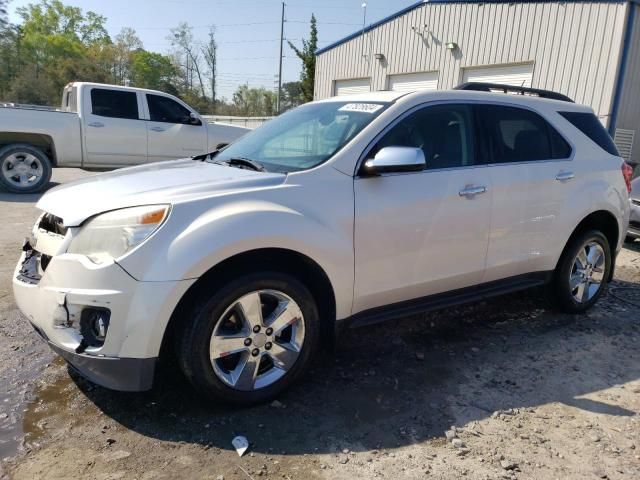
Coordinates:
157	129
562	176
96	124
472	190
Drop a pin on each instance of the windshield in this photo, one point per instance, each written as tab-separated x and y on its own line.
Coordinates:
304	137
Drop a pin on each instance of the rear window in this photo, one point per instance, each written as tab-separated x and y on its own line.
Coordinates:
114	103
589	124
515	134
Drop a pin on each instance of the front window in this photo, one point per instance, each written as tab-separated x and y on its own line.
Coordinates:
304	137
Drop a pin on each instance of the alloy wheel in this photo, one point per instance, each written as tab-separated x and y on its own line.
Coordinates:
587	273
257	340
22	169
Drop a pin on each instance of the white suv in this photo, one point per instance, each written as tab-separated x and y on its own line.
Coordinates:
345	211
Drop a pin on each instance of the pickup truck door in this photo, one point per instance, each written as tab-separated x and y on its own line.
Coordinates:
171	131
422	233
114	132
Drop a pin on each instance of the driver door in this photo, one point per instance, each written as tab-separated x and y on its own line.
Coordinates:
170	133
422	233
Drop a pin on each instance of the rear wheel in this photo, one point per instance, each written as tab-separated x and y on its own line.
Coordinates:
581	275
24	168
251	339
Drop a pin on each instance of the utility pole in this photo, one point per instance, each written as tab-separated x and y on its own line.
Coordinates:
280	65
364	22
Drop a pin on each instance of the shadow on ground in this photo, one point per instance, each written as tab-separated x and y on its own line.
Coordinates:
378	391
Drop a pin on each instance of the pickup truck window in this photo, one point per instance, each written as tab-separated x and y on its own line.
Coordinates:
163	109
114	103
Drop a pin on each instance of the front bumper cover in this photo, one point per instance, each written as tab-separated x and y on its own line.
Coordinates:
122	374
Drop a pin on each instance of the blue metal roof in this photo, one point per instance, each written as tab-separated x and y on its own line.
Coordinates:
421	2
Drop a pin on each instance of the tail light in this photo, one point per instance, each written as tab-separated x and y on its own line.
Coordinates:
627	173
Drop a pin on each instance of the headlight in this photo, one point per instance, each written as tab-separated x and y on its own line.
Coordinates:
112	234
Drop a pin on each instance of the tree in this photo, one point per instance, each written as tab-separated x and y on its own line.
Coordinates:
291	95
3	13
126	44
182	38
210	53
152	70
308	56
254	101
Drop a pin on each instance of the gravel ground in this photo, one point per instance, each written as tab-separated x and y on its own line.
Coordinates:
498	389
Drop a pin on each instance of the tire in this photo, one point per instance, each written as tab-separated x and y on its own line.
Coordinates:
563	296
35	168
221	314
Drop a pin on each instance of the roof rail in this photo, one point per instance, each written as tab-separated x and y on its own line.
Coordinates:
490	87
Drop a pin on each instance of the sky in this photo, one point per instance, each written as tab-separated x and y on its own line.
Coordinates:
247	31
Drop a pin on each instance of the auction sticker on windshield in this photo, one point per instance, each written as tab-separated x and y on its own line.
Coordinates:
361	107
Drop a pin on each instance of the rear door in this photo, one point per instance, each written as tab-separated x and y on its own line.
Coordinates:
421	233
532	175
114	133
171	132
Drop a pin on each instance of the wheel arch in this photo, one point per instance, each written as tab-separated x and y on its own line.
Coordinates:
307	270
602	220
38	140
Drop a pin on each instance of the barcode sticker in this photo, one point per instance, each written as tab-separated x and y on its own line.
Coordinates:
360	107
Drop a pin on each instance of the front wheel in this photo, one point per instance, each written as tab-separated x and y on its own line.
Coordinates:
24	168
250	339
581	275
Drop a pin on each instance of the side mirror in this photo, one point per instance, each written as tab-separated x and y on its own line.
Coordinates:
395	159
194	120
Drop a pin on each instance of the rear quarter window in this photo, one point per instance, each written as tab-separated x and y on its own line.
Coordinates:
589	124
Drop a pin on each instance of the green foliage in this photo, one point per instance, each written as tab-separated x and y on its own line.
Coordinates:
254	101
308	56
55	44
152	70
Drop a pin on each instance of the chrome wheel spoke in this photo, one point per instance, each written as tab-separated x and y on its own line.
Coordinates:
581	259
286	316
284	356
223	346
245	374
250	307
576	280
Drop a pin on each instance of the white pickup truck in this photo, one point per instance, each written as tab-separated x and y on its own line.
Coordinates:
100	126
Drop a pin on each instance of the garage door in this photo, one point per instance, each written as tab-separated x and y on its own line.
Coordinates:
351	86
518	75
409	82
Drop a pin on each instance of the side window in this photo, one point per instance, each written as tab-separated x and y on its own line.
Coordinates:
443	132
163	109
514	134
589	124
114	103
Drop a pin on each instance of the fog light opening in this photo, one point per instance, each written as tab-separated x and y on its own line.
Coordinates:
94	325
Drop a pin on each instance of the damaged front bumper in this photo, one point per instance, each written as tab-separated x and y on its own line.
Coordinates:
57	297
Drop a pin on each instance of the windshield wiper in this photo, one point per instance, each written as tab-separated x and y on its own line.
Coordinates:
204	156
246	162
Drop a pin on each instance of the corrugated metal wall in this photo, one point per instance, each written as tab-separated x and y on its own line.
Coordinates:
629	109
575	46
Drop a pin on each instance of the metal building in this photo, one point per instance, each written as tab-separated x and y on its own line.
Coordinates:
588	50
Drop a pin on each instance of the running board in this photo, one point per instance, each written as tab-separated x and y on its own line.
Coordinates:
448	299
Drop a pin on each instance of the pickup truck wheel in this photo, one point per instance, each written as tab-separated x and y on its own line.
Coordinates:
581	275
251	339
24	168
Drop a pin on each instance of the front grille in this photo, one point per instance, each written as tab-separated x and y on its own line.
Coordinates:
635	201
634	224
53	224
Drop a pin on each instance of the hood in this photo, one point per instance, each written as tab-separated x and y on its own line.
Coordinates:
162	182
